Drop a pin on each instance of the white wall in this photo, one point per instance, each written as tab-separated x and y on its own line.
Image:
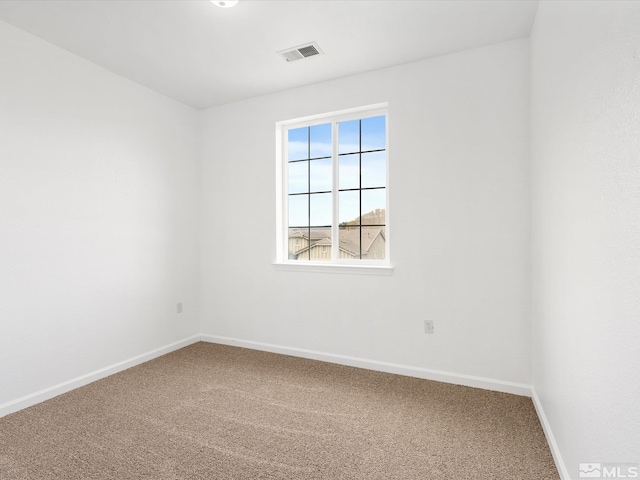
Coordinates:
98	216
459	194
586	224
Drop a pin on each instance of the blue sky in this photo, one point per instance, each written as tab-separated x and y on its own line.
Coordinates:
314	142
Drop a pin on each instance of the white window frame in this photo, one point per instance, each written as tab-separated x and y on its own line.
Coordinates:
336	264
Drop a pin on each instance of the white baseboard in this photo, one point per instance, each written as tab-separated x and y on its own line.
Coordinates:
546	428
47	393
427	374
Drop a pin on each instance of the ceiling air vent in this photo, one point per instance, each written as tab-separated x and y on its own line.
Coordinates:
300	52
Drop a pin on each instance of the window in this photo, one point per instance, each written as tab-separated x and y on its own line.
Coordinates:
333	185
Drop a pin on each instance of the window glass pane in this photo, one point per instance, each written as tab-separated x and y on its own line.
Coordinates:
321	175
298	143
349	171
298	243
361	194
349	242
374	133
298	177
373	243
374	203
298	210
321	209
349	207
320	244
349	136
374	169
321	141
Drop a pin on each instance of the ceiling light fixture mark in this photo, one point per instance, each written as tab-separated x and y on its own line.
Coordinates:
225	3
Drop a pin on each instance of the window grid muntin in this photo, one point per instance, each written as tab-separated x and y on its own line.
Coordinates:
360	189
308	193
335	241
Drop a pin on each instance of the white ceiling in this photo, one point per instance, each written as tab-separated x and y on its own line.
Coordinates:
203	55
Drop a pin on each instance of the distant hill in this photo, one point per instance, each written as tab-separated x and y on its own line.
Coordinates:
374	217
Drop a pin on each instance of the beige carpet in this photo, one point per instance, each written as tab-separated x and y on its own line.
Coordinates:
216	412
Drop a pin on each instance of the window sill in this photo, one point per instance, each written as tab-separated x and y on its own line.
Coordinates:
334	268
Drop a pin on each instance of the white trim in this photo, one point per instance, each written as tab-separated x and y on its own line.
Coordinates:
281	206
546	428
335	194
387	213
340	115
425	373
428	374
334	268
64	387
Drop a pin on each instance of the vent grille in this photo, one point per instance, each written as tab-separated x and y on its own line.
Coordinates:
300	52
309	51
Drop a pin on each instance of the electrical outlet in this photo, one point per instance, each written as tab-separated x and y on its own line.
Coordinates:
179	307
428	326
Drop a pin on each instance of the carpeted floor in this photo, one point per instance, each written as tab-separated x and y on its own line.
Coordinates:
216	412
